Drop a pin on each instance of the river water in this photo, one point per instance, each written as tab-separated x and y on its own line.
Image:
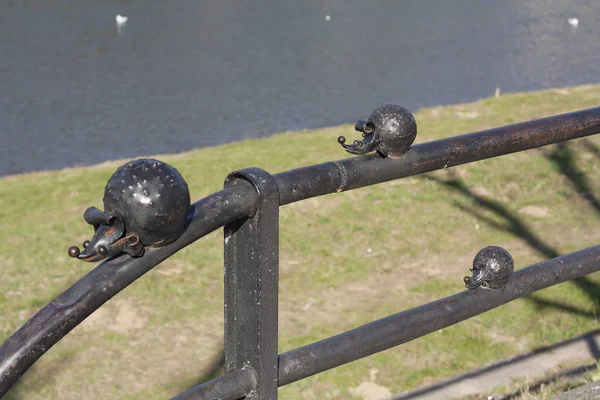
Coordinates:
179	74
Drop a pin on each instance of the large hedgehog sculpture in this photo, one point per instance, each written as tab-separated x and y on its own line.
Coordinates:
146	203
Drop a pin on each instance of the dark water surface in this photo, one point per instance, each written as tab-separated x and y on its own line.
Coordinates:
187	74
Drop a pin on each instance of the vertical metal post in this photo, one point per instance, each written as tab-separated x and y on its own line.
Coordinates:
251	286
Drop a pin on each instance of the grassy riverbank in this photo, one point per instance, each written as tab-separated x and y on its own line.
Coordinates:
396	245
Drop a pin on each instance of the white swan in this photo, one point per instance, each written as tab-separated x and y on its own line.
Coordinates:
121	19
573	21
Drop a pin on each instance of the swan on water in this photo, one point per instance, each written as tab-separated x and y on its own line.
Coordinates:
121	21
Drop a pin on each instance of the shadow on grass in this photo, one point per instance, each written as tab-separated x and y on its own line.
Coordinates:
507	221
14	394
38	378
511	223
434	389
592	148
563	158
539	385
215	369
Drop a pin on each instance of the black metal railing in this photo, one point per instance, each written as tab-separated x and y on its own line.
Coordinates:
248	209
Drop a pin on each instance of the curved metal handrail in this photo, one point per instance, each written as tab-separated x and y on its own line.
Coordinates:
70	308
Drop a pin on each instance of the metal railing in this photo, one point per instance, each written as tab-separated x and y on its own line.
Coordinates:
248	209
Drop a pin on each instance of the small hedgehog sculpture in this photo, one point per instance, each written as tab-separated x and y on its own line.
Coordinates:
146	203
390	130
492	268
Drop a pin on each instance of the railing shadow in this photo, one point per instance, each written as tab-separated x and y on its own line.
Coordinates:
535	387
563	157
588	337
539	385
215	369
511	223
14	394
592	148
514	225
40	377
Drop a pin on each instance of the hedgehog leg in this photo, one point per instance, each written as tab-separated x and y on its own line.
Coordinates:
133	246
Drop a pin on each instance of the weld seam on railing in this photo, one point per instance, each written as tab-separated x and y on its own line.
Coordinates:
408	325
60	316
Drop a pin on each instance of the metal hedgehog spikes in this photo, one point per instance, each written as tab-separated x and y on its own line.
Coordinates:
390	130
146	203
492	268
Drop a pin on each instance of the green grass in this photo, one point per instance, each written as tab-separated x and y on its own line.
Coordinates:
161	335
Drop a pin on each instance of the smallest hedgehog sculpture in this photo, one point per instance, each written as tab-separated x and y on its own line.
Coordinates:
146	203
492	267
390	130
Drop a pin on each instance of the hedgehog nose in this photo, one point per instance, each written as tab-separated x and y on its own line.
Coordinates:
74	251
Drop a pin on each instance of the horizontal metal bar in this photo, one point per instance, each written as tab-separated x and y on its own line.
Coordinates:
233	386
357	172
60	316
408	325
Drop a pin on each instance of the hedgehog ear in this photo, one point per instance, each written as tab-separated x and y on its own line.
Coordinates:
95	217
